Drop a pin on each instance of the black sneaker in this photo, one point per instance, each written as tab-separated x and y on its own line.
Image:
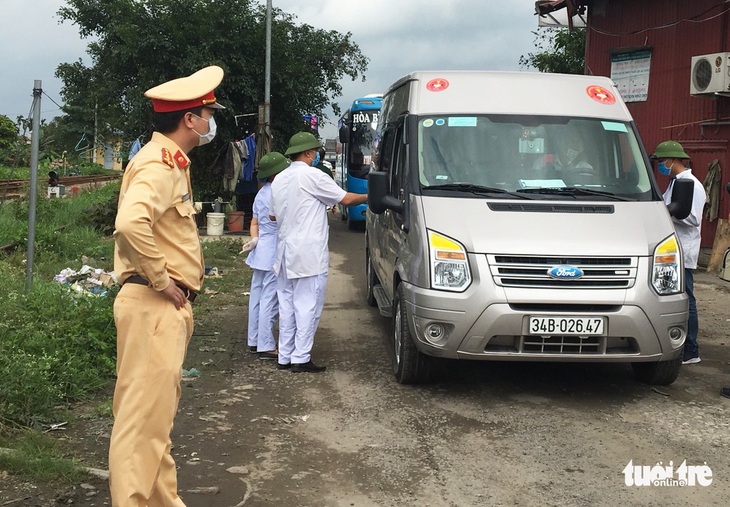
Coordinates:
269	354
725	392
280	366
252	349
308	367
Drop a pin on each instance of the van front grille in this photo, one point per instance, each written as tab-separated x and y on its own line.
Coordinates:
561	345
533	271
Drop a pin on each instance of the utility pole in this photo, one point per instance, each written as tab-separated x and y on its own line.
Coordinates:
263	129
96	132
267	71
34	150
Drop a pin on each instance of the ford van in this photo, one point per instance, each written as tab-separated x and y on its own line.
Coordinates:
514	216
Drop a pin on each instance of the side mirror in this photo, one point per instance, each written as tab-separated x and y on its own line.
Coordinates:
379	199
344	134
682	194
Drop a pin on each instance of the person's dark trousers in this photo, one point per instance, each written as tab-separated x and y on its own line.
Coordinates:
691	348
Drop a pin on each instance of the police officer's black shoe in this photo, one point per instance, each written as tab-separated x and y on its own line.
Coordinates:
252	348
268	355
725	391
280	366
308	367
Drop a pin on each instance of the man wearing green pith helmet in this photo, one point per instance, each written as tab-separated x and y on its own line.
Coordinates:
300	197
672	161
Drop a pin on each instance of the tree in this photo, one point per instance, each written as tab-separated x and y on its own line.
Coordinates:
139	44
8	132
560	51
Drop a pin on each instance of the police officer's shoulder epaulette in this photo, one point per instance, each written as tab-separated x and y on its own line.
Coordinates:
167	158
181	159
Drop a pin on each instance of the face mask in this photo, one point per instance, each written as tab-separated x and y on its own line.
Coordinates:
663	169
206	138
316	160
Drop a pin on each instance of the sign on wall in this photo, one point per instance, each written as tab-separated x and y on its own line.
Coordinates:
630	72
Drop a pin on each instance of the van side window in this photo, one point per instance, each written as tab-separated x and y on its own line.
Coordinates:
398	175
386	152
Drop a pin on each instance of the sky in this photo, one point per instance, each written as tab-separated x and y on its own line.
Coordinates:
398	37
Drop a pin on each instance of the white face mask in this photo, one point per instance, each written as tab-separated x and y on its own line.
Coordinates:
212	127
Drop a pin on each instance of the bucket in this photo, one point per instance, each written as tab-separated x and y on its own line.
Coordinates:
235	221
214	224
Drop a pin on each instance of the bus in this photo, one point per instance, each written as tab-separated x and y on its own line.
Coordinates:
357	133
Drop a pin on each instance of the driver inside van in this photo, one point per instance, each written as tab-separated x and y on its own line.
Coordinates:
568	160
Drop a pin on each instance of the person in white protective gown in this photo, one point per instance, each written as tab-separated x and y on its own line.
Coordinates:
263	303
300	197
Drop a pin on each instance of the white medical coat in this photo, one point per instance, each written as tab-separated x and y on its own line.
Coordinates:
300	196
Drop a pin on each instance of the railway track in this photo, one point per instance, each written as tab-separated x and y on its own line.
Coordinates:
12	189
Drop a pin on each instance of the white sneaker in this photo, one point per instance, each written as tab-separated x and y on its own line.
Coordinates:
692	360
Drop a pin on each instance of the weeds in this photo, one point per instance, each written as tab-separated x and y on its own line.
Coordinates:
55	346
37	456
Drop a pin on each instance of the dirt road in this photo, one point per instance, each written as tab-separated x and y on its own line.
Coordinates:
486	434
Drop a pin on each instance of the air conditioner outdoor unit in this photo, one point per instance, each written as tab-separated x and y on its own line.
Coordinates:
710	74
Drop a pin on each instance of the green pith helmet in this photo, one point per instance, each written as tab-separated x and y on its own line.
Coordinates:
669	149
302	141
271	164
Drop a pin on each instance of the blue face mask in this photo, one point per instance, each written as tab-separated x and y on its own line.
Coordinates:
663	169
316	160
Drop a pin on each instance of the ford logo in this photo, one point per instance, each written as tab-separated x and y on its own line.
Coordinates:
565	272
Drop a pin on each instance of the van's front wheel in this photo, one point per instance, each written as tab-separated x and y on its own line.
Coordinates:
660	373
409	365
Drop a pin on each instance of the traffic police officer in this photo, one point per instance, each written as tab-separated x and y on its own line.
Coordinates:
158	260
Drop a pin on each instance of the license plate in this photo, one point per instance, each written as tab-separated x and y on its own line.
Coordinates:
578	326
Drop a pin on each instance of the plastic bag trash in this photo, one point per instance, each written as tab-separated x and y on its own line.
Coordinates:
191	373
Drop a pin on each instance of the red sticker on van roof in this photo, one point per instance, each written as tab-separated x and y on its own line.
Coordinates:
437	85
600	94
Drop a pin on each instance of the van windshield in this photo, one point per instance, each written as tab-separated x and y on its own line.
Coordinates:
543	156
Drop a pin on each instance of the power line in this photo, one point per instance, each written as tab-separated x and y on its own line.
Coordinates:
691	19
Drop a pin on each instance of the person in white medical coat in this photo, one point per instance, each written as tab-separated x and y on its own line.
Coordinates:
263	303
300	197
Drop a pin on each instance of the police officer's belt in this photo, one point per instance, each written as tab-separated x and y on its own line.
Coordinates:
189	294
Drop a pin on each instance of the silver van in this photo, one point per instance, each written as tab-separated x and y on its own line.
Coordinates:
514	216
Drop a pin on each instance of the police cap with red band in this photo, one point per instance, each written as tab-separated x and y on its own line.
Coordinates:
195	90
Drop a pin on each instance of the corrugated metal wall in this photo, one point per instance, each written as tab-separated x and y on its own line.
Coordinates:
675	31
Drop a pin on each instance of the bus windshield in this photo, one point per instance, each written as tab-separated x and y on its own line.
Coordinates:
360	145
532	154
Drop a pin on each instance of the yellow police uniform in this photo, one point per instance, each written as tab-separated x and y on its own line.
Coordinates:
156	242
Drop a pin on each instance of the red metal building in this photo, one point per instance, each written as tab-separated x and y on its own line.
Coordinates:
671	60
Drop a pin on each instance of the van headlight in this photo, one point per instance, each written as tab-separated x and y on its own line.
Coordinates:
449	266
666	276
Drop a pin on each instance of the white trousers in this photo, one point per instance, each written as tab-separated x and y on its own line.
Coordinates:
300	308
263	308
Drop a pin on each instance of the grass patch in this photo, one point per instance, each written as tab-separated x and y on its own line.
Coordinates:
34	455
56	346
235	275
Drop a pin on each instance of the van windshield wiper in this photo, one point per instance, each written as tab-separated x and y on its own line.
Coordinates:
574	191
477	189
